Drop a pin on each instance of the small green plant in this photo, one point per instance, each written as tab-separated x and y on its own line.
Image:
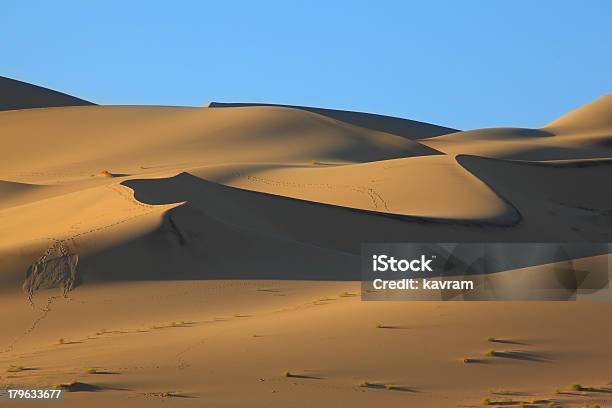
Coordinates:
576	387
486	401
92	371
491	339
491	353
364	383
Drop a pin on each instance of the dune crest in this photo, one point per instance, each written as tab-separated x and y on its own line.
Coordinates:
593	117
410	129
21	95
585	133
190	256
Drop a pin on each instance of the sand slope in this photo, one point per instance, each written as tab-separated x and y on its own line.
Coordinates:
581	134
71	143
21	95
243	226
390	186
410	129
593	117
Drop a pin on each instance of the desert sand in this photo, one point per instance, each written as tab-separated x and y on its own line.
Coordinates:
210	256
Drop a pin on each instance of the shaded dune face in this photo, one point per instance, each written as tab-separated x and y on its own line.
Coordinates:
585	133
86	140
155	255
409	129
185	183
20	95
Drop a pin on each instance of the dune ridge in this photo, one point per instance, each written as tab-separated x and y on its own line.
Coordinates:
364	185
21	95
189	256
410	129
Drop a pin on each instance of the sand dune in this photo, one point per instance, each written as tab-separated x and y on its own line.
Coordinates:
12	194
21	95
593	117
190	256
410	129
581	134
50	145
390	186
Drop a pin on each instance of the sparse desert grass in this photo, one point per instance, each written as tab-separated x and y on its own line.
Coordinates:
69	386
15	368
61	341
66	386
491	339
489	401
576	387
74	386
105	173
166	325
391	387
157	326
364	383
491	353
92	371
288	374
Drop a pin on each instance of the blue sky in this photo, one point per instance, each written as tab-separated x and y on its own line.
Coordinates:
464	64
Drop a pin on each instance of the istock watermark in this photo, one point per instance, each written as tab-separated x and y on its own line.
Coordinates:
486	271
384	263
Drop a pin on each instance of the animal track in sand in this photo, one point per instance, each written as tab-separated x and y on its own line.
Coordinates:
374	196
